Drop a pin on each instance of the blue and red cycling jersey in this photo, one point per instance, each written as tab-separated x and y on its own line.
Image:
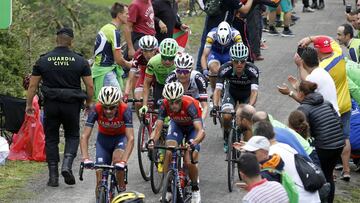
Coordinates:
114	126
190	111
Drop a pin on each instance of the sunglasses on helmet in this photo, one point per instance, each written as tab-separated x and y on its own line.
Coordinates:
167	58
183	71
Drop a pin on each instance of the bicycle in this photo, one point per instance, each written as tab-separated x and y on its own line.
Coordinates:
232	154
179	184
106	192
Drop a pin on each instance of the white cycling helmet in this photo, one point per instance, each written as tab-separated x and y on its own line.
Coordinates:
109	95
173	90
239	51
148	43
184	61
223	33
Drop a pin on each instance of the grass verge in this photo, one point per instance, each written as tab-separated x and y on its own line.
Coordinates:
14	176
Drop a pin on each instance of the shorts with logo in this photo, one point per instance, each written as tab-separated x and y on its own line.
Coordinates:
178	133
219	57
106	145
229	101
285	6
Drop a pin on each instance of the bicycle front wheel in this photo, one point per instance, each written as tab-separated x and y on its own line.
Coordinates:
144	162
231	155
102	195
156	171
170	183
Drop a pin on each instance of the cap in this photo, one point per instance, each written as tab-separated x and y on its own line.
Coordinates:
323	44
256	143
67	31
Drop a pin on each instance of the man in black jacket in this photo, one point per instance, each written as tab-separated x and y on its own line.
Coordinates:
61	70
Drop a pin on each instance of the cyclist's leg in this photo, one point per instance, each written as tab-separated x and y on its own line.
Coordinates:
193	169
158	88
139	89
103	156
214	66
173	138
117	157
228	104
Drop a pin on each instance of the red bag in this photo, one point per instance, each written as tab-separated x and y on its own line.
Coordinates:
29	142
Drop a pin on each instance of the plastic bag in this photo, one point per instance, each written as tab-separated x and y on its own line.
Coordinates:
29	142
4	150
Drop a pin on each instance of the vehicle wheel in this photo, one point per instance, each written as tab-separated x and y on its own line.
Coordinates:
144	162
169	183
102	195
231	154
156	176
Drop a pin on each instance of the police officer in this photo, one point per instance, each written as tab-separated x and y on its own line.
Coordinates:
61	70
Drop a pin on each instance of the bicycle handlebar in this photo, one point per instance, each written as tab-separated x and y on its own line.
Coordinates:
173	148
95	166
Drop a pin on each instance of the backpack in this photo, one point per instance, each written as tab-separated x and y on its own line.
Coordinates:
311	175
287	183
212	7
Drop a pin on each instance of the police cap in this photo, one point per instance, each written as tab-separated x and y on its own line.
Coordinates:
67	31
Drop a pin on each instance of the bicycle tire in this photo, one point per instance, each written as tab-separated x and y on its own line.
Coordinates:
144	162
156	184
230	163
102	195
169	179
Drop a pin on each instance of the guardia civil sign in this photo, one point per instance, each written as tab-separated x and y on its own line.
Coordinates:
5	13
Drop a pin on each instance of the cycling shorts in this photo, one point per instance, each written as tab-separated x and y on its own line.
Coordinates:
229	101
106	145
218	57
178	133
285	6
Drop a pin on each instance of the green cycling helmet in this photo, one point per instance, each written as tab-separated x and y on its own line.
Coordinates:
239	51
169	47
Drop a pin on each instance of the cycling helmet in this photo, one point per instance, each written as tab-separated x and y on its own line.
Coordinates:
239	52
148	43
184	61
223	33
169	47
173	90
129	197
109	95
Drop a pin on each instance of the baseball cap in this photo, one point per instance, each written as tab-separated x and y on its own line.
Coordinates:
256	143
323	44
67	31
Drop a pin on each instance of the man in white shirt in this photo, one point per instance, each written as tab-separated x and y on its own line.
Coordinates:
308	66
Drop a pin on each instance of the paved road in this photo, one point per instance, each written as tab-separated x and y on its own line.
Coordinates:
277	66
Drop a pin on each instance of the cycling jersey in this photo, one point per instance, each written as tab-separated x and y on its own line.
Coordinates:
190	112
354	49
215	46
107	41
197	86
239	86
157	69
112	127
140	67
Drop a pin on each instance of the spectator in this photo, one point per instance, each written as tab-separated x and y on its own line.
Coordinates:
259	190
61	71
166	19
244	114
355	134
264	128
308	66
352	18
227	7
106	70
345	36
325	128
139	23
286	8
332	60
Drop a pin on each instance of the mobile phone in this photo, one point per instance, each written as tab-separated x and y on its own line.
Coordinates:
348	8
300	50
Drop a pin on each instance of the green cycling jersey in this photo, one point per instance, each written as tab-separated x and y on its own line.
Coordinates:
157	69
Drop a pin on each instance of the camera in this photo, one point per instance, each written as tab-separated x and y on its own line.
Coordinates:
348	8
300	50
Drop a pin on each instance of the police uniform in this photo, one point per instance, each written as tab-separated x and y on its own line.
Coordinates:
61	71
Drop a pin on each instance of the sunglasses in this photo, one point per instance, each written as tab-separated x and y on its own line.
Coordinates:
175	101
167	58
183	71
239	61
109	107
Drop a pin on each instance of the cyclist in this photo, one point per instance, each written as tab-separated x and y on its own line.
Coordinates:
148	48
129	197
115	139
159	67
194	82
216	51
185	122
242	85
